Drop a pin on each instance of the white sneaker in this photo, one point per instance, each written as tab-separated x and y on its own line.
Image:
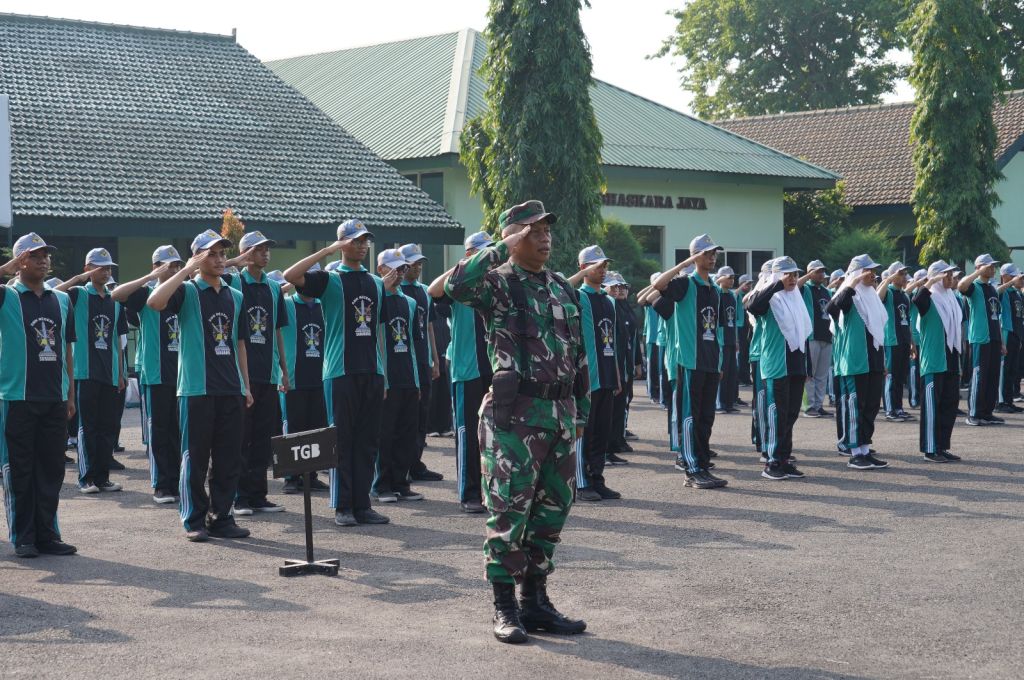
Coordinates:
386	497
164	498
89	488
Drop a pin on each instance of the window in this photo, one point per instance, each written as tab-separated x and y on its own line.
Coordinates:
759	257
432	184
738	262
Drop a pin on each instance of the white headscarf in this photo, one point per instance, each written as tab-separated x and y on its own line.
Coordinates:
791	314
950	312
870	307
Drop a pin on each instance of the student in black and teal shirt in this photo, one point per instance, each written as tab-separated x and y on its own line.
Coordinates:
1011	319
263	317
351	298
690	304
985	336
597	310
400	421
428	365
157	355
785	326
655	369
37	398
728	315
629	358
471	375
899	341
99	323
940	323
303	406
213	387
813	286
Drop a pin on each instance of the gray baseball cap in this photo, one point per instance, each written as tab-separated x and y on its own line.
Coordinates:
897	266
939	267
1009	269
593	255
836	275
815	265
252	239
702	244
412	253
99	257
207	240
984	259
920	274
29	242
862	262
391	258
166	254
784	265
480	239
767	266
352	229
745	278
724	273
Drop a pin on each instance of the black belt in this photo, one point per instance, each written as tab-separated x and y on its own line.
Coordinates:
552	391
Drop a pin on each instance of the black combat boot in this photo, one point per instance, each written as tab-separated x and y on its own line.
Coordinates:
537	612
507	627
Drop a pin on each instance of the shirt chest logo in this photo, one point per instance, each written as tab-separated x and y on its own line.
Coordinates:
258	325
173	332
311	334
399	335
45	330
901	310
823	308
219	326
730	317
101	331
607	337
709	322
363	309
993	309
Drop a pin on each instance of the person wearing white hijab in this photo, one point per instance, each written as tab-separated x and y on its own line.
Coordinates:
859	318
785	326
940	324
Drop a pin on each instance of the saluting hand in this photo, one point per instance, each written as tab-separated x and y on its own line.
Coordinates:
192	266
513	234
391	279
14	266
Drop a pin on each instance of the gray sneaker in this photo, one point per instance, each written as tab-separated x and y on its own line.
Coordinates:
385	497
344	518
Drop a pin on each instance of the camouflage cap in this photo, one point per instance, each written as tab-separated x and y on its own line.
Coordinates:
525	213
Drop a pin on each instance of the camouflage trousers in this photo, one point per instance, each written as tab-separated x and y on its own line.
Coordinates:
528	485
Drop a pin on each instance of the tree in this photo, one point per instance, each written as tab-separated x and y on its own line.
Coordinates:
875	241
956	77
538	138
1009	18
812	219
618	241
752	57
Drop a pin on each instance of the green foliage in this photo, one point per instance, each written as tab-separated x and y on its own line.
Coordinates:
752	57
619	243
813	219
538	138
1008	16
875	241
957	76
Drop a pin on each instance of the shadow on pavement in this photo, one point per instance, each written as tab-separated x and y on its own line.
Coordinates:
23	617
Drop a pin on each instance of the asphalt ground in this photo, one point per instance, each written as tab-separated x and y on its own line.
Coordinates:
910	572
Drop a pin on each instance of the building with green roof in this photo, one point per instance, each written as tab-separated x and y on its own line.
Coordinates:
127	138
669	175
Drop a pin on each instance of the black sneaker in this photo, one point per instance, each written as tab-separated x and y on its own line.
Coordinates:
824	414
426	475
936	458
975	422
316	484
791	471
630	435
266	506
369	516
227	530
1005	408
700	480
719	482
607	494
27	551
893	417
108	486
472	507
408	495
812	413
56	548
162	497
119	448
740	402
115	464
612	459
198	536
242	509
904	415
992	420
860	463
949	456
291	486
344	518
773	472
588	493
876	463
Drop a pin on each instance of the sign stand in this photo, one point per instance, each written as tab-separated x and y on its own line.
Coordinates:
304	453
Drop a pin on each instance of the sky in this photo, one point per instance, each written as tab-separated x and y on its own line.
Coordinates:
622	33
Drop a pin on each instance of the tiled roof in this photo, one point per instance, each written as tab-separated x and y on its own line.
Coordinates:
124	122
410	99
868	145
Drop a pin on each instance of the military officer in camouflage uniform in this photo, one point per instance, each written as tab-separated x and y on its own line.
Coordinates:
529	420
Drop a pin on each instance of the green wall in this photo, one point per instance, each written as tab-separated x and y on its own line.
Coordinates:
1010	213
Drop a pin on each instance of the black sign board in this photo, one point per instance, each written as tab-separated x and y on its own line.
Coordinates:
307	451
303	453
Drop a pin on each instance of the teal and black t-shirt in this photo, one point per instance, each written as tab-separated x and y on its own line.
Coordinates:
99	325
727	314
897	326
303	343
399	316
983	302
467	351
34	333
598	319
208	321
351	301
424	315
262	314
157	353
816	298
776	359
691	306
